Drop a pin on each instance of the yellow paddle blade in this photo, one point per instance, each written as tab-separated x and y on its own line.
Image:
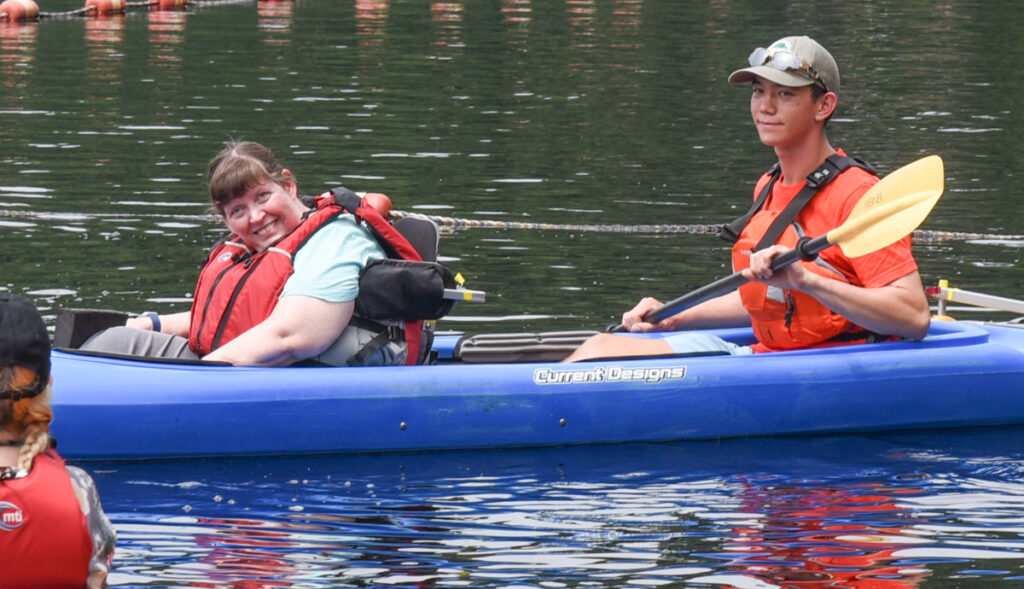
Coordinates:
892	208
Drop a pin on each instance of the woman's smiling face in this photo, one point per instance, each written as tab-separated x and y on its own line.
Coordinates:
265	213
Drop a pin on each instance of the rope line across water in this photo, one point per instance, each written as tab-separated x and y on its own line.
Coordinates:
457	224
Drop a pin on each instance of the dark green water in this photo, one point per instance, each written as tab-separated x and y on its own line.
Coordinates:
569	112
565	112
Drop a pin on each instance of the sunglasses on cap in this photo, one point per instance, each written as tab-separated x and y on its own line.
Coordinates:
785	61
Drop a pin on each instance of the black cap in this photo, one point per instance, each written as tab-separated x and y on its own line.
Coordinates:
23	342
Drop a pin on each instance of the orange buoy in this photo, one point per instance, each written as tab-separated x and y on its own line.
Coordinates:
169	4
106	6
19	9
379	201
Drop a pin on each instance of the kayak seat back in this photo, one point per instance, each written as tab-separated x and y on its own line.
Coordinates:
74	326
422	234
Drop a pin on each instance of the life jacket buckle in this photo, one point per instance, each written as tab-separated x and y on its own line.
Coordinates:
818	177
396	333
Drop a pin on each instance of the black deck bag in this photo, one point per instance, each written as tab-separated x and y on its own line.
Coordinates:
402	289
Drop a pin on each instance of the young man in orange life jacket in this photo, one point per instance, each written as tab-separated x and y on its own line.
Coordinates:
834	300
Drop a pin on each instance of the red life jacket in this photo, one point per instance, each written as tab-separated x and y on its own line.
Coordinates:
238	289
44	535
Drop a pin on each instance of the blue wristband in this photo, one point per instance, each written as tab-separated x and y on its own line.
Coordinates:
155	318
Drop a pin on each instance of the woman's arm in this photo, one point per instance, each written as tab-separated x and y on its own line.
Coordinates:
174	323
300	327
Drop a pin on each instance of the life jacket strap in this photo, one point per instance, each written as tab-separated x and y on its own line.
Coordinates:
832	167
385	333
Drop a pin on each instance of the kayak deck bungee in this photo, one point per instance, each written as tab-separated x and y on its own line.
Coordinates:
962	374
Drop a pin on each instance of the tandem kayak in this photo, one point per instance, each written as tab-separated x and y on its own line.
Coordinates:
962	374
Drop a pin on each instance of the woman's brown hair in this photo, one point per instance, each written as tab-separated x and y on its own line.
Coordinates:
237	168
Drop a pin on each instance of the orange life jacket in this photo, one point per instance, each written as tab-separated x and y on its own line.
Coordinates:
789	319
784	319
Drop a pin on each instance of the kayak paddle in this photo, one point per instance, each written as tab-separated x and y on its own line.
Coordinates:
889	211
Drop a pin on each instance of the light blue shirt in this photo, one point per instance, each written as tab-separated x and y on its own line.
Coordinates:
327	267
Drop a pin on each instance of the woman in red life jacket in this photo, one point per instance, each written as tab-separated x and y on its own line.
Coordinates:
280	289
53	532
835	300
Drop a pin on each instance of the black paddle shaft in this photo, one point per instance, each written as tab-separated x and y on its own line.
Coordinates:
806	249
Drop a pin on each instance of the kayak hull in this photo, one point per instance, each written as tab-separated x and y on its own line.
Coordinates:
963	374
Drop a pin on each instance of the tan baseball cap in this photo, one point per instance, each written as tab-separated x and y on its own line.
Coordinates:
791	61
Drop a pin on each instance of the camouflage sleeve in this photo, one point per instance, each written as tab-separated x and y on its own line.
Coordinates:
104	537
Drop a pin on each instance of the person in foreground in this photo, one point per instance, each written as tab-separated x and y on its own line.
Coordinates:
281	289
53	532
833	300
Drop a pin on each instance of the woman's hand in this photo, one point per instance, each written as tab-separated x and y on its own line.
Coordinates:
143	322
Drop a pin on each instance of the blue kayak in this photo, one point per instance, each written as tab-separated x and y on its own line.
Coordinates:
962	374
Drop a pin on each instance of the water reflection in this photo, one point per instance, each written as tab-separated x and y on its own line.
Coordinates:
17	52
166	33
447	18
581	19
628	13
104	34
806	535
275	21
516	11
810	513
104	39
371	21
